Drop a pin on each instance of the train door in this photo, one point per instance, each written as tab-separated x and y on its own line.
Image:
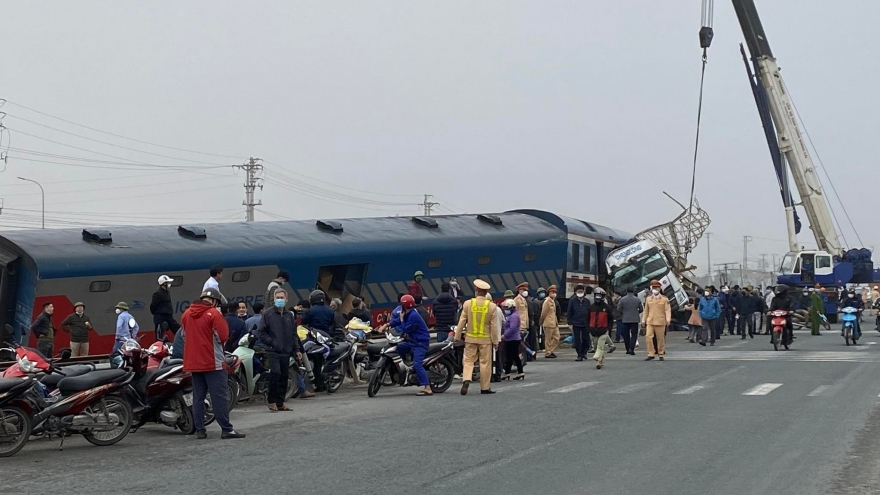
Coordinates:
343	281
8	289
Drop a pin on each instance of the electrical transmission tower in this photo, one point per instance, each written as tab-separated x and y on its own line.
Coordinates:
428	205
253	170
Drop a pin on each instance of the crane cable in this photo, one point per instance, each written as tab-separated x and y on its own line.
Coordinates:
706	34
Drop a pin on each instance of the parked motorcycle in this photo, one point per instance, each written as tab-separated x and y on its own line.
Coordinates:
15	422
391	370
851	331
778	320
162	393
253	372
90	405
335	355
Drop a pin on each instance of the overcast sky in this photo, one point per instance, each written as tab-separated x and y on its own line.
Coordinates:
585	108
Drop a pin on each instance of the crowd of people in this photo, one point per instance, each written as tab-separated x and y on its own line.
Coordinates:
520	322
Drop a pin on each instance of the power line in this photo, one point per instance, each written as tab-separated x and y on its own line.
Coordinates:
346	188
110	144
121	136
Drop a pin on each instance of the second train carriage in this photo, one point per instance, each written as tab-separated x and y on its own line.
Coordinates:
373	258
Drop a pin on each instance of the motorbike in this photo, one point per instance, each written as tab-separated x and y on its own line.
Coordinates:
253	371
160	356
850	330
91	404
160	392
336	355
778	320
15	423
391	370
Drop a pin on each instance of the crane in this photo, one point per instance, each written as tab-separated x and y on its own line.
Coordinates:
830	265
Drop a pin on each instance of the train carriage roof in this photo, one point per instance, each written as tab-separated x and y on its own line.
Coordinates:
65	252
580	227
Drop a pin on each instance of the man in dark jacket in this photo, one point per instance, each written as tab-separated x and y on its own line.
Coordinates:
745	307
631	308
339	319
445	308
203	357
237	327
44	331
319	316
277	332
536	304
78	325
359	311
734	304
162	309
600	317
578	308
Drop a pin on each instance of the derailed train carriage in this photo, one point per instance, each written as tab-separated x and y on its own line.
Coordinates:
371	258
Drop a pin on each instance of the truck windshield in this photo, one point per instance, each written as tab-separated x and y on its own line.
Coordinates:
788	264
639	272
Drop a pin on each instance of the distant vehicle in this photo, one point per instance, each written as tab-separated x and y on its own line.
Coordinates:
634	265
370	258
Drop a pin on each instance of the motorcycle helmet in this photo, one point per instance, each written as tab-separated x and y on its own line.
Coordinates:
408	302
781	289
214	294
508	303
317	297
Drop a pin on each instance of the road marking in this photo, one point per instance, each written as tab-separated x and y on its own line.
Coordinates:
819	390
872	343
762	389
572	388
797	355
634	387
522	385
689	390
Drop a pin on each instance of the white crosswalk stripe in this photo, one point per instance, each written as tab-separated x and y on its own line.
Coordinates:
572	388
762	389
522	385
634	387
849	356
689	390
819	391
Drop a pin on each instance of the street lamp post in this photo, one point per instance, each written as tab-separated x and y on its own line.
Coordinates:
43	194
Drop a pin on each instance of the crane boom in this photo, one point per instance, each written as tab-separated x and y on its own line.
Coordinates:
791	142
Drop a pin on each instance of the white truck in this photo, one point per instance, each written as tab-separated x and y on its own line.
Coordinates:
634	265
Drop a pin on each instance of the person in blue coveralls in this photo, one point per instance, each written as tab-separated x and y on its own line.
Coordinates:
407	321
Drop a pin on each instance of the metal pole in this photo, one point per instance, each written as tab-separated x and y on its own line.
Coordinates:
43	195
709	254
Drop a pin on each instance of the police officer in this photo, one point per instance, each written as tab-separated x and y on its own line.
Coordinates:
478	316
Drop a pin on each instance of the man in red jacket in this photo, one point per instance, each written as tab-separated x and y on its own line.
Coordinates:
205	331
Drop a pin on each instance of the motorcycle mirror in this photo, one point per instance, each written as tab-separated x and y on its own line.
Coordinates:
64	354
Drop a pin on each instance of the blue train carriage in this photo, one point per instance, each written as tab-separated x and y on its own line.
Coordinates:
373	258
588	244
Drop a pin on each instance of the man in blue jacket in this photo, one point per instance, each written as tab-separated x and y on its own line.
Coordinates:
410	323
710	312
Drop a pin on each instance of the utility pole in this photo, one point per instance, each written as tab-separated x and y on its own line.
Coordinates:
726	277
428	205
253	170
746	241
709	254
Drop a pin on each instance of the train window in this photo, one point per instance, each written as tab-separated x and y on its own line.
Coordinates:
484	260
241	276
99	286
435	263
176	280
575	263
530	257
584	252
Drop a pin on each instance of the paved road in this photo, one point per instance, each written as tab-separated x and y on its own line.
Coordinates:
736	418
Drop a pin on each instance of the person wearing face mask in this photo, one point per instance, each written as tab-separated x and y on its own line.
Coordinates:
655	319
817	309
521	304
478	318
729	315
601	320
852	300
78	325
126	326
237	326
454	289
534	309
578	310
550	322
709	311
277	332
510	339
782	301
415	287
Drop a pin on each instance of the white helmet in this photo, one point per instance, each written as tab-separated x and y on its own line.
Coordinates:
165	279
509	303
